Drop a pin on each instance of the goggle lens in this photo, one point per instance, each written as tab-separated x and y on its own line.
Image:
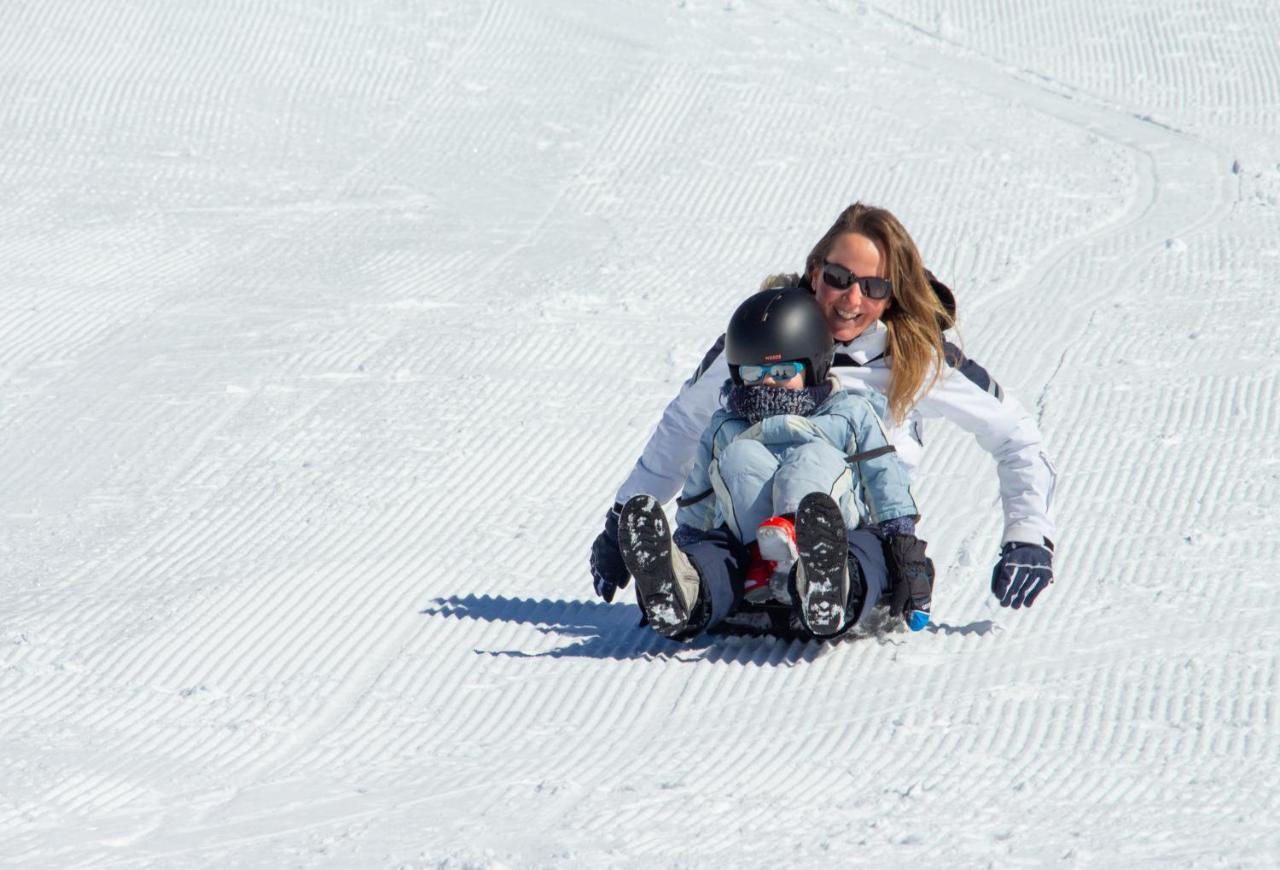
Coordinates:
783	371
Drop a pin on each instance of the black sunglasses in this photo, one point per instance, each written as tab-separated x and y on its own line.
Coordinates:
840	278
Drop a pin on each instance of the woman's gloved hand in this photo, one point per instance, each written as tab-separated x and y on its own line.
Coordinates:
608	571
1023	572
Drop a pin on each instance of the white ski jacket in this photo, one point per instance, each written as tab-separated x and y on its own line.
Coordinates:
965	394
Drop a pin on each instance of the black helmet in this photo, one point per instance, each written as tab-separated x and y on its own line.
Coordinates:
777	326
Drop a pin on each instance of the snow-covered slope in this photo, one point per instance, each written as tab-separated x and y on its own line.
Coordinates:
327	332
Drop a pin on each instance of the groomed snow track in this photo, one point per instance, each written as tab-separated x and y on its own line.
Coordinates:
328	331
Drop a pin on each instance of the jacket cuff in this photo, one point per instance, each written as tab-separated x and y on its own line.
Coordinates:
1029	533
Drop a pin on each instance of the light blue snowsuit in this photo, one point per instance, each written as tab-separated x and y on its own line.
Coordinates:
745	473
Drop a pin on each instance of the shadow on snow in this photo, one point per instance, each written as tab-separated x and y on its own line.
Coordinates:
613	631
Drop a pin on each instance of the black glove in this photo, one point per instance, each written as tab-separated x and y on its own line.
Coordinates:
911	579
1023	572
608	571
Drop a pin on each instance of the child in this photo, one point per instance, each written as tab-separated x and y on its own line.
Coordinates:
796	473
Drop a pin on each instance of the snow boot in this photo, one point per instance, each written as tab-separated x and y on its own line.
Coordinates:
822	574
667	584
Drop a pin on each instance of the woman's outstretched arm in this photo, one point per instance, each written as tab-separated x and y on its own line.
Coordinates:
968	396
668	456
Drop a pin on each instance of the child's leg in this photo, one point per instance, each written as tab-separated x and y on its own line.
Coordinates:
865	546
743	482
669	587
842	573
812	467
819	467
721	560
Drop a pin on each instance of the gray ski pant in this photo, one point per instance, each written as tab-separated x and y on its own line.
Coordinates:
721	558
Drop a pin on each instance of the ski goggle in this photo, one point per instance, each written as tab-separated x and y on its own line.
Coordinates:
839	278
783	371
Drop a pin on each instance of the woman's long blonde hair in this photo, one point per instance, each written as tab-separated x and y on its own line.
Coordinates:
915	315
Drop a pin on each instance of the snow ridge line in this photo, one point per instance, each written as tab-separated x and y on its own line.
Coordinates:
496	15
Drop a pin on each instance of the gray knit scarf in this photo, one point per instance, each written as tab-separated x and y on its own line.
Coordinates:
754	403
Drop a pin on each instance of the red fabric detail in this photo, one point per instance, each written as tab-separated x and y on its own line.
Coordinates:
758	570
781	523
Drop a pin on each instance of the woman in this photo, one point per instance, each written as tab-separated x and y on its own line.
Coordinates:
887	318
796	470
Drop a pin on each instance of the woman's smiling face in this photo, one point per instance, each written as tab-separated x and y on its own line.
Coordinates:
848	312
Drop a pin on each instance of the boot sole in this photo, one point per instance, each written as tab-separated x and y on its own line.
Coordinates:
644	537
822	576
